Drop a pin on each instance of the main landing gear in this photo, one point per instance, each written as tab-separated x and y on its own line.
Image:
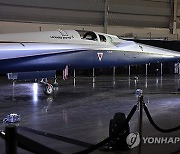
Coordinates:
48	87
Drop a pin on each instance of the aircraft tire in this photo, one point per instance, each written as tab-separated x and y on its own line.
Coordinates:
48	89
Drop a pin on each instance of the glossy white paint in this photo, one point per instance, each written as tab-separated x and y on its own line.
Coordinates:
23	45
40	43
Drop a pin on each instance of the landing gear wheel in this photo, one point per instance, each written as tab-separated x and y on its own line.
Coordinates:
48	89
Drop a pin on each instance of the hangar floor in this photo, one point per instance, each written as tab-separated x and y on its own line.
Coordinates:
83	111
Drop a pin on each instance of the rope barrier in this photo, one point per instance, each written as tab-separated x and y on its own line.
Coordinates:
107	140
33	146
24	142
56	137
156	126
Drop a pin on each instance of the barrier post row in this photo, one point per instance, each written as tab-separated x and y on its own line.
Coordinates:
10	138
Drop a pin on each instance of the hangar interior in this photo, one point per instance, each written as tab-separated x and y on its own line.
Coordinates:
157	20
139	18
82	107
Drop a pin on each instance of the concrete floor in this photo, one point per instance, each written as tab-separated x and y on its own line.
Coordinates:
83	111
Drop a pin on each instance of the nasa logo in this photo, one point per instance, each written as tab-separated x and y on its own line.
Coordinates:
100	56
133	140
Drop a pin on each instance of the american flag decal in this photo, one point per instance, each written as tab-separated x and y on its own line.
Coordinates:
65	73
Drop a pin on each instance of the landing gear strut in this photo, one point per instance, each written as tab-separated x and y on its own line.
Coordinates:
55	82
49	88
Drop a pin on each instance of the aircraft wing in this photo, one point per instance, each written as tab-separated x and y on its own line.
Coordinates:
17	57
20	50
22	57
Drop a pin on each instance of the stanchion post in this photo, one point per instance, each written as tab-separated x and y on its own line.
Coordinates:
161	69
74	77
141	101
129	70
146	69
11	143
140	105
114	72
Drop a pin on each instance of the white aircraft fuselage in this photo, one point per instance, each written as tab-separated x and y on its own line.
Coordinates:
54	50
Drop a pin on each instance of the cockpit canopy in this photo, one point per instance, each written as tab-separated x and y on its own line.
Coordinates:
90	36
99	37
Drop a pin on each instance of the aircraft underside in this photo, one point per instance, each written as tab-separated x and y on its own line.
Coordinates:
78	60
45	66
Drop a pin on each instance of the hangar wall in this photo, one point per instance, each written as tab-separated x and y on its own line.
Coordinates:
137	18
136	13
123	31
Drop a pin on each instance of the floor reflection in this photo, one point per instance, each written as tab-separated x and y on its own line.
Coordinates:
35	93
49	100
65	116
85	113
13	91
